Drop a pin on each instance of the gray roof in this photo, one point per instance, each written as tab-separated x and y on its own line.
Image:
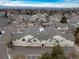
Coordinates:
34	31
4	22
58	24
74	20
49	32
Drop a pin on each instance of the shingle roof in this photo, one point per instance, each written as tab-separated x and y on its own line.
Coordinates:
74	20
4	22
49	32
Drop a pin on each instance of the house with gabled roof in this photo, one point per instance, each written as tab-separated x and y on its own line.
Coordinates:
40	36
36	40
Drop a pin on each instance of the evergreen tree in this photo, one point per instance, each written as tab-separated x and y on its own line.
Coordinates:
57	53
76	32
46	56
63	19
6	16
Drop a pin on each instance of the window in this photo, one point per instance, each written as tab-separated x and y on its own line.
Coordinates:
62	40
34	40
33	57
51	40
28	57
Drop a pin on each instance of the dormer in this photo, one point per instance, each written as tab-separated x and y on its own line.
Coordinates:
51	40
59	38
35	40
26	38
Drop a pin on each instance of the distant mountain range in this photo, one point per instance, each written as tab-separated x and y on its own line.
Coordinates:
25	7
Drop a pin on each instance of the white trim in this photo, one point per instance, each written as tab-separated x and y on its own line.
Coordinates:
26	38
31	55
53	40
34	55
36	40
59	38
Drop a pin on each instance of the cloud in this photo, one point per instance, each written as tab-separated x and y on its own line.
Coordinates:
67	0
22	3
71	1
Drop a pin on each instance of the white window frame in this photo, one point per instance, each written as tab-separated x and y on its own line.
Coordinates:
52	40
35	39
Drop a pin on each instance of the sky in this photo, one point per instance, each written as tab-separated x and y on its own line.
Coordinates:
41	3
